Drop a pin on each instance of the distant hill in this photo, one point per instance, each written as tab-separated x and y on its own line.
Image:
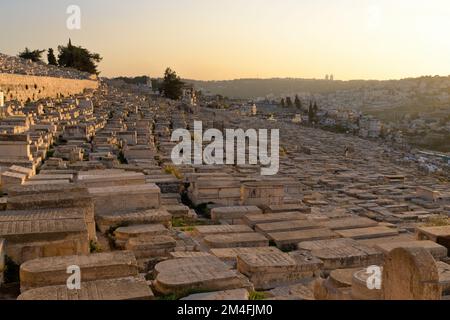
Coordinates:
253	88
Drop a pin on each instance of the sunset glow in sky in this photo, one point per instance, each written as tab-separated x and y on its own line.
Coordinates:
228	39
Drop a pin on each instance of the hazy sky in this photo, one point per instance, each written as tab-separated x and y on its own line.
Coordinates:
227	39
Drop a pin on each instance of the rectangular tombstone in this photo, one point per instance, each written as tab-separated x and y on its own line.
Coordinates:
10	179
181	276
342	253
131	288
290	225
233	240
229	255
120	199
287	208
436	250
49	200
221	229
349	223
254	219
52	271
233	213
151	246
368	233
290	239
270	270
262	193
107	178
155	216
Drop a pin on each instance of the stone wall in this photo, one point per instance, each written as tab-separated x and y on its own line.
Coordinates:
24	87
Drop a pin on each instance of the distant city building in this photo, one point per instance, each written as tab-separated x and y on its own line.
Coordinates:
327	77
331	77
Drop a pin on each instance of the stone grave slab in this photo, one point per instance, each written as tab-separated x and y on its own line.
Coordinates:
53	270
270	270
436	250
221	229
342	253
254	219
229	255
156	216
119	199
290	239
233	240
266	228
439	235
123	234
151	246
296	291
225	295
181	276
233	213
368	233
131	288
349	223
410	274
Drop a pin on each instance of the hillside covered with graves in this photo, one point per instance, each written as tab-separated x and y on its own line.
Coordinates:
87	180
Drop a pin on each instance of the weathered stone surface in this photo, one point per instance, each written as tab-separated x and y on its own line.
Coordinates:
296	291
131	288
269	270
368	233
290	239
120	199
229	255
201	273
230	295
232	240
410	274
254	219
342	253
123	234
102	178
436	250
85	213
266	228
287	208
151	246
439	235
349	223
221	229
49	200
262	193
156	216
53	271
444	277
233	213
188	254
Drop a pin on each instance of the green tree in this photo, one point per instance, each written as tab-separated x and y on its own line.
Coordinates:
79	58
51	57
34	55
297	102
172	85
282	103
289	103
